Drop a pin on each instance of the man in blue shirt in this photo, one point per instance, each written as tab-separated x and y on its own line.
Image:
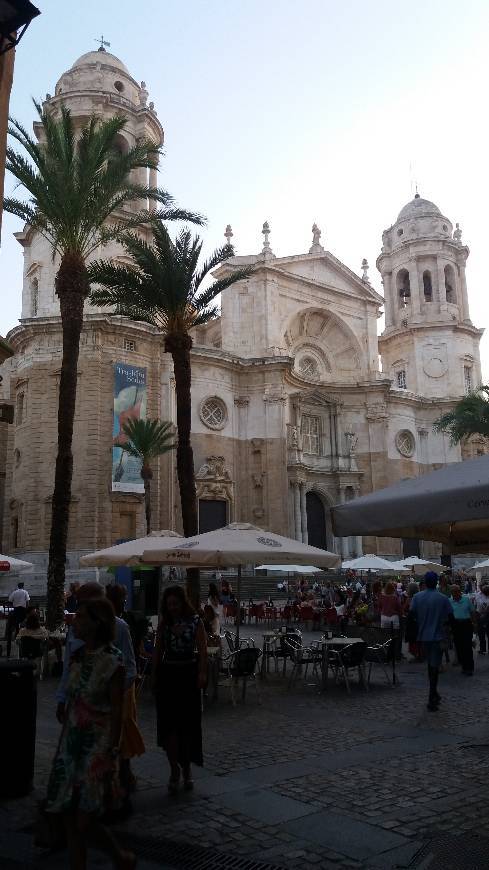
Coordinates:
463	628
432	611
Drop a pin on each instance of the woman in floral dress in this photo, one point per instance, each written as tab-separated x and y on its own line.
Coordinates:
83	780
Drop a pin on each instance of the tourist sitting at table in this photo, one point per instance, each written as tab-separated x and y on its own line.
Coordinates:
32	628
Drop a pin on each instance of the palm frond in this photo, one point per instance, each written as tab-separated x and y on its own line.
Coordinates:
470	416
147	439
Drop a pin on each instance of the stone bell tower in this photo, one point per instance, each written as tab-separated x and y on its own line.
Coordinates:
97	84
429	346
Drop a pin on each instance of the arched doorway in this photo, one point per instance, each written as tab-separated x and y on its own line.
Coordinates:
316	521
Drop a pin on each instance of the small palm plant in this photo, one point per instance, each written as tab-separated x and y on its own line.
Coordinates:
163	286
79	186
145	440
470	416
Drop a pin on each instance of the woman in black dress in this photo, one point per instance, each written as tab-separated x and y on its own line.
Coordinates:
179	674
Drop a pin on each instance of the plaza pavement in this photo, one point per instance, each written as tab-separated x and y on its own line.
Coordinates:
305	781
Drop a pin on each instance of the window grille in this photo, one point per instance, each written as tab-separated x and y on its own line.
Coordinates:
310	434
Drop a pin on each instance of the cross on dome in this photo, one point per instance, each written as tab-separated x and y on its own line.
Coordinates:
228	234
103	43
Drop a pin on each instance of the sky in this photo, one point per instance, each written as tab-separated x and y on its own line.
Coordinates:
295	113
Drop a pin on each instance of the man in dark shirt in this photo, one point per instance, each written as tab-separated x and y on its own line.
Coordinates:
432	611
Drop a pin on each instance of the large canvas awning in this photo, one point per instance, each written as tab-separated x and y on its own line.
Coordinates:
450	505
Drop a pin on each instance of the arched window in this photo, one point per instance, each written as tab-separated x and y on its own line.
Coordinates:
450	292
34	296
427	286
403	287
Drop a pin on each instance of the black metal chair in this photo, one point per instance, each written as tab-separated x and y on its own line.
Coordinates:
302	657
33	648
346	659
242	665
382	654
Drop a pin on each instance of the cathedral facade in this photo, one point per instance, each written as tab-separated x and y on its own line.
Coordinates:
297	403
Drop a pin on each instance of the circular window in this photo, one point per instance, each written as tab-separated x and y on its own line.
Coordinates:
213	413
405	442
445	227
308	367
119	86
400	232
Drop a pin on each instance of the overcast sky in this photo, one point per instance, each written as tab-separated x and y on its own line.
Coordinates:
292	112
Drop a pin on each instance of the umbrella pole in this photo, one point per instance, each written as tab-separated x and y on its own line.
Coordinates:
238	615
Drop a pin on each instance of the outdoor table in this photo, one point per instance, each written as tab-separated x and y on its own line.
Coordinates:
213	668
331	642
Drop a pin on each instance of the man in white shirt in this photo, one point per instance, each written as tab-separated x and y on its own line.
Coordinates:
19	599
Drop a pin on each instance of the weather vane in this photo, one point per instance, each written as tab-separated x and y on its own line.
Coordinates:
103	43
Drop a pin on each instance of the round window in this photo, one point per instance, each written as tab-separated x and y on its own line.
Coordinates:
308	367
119	86
400	232
213	413
405	442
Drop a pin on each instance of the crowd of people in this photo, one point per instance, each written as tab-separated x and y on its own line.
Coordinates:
107	650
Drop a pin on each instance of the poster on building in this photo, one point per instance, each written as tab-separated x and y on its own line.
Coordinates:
129	404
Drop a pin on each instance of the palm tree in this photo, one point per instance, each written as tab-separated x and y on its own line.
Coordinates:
162	286
145	440
79	185
470	416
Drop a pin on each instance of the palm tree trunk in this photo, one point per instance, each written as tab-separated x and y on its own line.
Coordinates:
147	474
179	345
72	287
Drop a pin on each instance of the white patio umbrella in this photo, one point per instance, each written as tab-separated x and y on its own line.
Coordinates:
129	553
8	563
450	505
371	563
421	566
483	567
290	569
236	545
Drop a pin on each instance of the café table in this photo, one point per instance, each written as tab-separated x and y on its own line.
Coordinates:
337	643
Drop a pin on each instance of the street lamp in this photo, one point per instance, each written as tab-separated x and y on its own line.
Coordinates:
15	17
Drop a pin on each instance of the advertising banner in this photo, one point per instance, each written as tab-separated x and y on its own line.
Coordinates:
129	403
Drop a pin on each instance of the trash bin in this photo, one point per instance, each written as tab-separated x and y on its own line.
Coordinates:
18	693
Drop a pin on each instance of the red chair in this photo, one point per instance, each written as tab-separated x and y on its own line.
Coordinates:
306	615
270	615
331	616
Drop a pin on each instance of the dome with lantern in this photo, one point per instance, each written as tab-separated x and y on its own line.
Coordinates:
100	71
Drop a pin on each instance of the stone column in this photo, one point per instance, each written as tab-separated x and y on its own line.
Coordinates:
440	271
390	314
464	295
153	182
343	542
303	513
297	511
414	284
